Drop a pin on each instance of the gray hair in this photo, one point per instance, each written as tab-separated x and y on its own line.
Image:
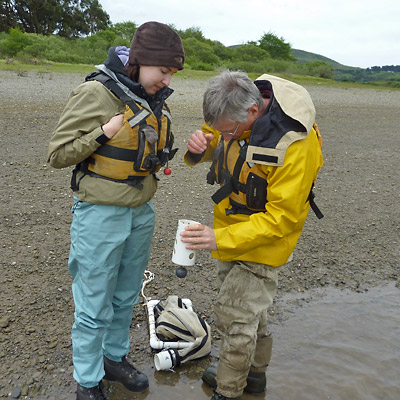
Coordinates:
229	96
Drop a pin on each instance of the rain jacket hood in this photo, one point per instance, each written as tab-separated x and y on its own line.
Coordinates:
289	117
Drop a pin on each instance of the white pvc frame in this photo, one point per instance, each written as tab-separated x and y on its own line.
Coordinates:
155	342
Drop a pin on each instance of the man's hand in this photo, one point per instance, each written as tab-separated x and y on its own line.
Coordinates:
113	125
198	142
198	237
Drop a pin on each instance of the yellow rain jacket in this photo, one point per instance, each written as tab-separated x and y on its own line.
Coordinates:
290	161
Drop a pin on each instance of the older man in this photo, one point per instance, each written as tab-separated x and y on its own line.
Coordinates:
265	151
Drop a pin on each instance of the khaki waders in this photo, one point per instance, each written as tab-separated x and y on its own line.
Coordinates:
246	291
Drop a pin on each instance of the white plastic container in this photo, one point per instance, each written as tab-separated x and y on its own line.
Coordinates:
181	255
164	360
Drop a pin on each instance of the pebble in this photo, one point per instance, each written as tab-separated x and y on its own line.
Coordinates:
16	393
24	390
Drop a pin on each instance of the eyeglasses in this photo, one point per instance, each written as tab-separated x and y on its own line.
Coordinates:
230	133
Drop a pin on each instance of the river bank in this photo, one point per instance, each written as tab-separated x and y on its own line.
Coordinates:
356	245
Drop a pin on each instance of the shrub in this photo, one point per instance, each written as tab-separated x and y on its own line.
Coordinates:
318	68
250	53
14	42
247	66
200	52
199	65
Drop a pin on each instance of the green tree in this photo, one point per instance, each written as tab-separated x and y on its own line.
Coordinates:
250	52
15	42
125	30
7	17
199	50
193	32
276	47
200	55
68	18
33	16
223	52
319	68
95	17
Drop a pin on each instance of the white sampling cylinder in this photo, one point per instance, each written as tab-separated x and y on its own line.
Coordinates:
181	255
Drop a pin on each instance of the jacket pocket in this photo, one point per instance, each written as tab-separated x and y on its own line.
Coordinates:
256	192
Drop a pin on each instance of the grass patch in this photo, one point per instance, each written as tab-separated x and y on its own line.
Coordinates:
195	74
51	67
47	66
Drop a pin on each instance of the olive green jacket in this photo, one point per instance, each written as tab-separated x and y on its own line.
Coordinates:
78	134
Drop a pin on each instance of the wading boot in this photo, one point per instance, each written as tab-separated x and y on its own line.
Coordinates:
126	374
94	393
217	396
256	381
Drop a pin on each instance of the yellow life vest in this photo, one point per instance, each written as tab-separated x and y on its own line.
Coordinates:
244	182
141	147
138	149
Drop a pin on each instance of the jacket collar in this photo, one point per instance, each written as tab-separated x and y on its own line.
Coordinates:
114	68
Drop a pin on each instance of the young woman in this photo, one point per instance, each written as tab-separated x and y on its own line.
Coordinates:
116	130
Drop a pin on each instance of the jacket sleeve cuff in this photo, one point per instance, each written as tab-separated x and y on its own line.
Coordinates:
192	159
196	157
102	139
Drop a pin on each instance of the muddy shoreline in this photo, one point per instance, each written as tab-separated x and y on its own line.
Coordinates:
355	247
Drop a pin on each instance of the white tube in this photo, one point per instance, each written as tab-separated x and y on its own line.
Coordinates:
163	360
181	255
155	342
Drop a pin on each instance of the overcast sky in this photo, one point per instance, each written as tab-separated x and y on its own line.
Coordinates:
358	33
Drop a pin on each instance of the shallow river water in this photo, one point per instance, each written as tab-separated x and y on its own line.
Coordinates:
342	346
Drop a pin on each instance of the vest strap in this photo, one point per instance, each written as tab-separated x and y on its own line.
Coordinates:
313	206
117	153
230	182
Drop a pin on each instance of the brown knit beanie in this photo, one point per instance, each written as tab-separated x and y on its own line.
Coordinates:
157	44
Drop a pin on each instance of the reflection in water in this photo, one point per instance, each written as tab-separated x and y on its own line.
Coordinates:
344	346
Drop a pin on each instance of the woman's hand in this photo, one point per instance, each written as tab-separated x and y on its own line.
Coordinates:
113	125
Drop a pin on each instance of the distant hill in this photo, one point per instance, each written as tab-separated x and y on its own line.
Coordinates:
305	57
390	74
